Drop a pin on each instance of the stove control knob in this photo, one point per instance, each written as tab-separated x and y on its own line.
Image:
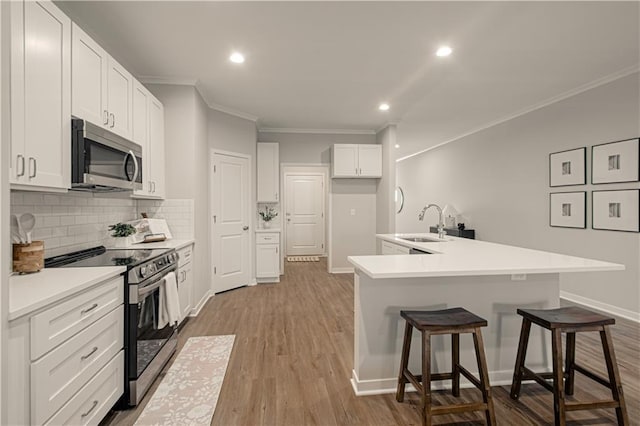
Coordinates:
143	271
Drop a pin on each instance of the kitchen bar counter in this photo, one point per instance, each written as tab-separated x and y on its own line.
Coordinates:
31	292
491	280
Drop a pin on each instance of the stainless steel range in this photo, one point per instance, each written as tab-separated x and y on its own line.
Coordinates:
149	344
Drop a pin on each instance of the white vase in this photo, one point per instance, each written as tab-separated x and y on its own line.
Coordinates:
121	242
266	225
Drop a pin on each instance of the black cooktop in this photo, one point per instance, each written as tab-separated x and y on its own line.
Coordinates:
100	256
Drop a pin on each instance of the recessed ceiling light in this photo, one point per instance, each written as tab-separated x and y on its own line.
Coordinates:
397	145
384	107
444	51
236	58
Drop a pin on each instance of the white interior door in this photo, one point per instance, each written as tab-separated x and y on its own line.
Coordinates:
231	194
304	214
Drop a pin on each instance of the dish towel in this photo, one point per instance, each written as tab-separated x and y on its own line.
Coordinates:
169	303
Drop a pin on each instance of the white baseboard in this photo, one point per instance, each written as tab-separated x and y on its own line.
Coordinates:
252	283
196	310
601	306
345	270
268	280
384	386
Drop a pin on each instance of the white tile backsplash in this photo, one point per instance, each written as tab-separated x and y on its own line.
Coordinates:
77	220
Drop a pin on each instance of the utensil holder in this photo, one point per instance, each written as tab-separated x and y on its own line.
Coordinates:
28	258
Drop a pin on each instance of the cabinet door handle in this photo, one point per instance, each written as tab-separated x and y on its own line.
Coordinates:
93	351
276	196
356	170
95	403
359	171
149	186
105	117
35	167
154	186
276	250
20	163
113	119
245	228
84	311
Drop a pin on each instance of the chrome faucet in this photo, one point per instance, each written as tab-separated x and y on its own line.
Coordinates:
441	233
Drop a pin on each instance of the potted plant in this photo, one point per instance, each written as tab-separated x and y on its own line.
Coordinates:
267	216
121	232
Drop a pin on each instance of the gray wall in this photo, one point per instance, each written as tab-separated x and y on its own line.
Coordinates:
348	235
385	201
229	133
310	147
187	160
499	179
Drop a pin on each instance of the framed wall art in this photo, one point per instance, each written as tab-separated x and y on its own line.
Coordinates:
616	162
617	210
568	209
568	167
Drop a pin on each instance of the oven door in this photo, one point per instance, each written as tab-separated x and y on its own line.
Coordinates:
150	343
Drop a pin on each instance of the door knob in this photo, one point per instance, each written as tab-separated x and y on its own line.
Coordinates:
245	228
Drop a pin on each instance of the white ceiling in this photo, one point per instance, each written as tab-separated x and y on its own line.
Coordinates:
327	65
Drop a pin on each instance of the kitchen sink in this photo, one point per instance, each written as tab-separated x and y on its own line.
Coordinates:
422	240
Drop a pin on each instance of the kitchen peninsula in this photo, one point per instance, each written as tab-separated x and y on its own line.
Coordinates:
491	280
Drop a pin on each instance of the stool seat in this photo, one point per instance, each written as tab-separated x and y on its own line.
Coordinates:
446	318
570	316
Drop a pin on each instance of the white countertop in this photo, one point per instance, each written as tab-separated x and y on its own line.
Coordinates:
261	230
465	257
166	244
30	292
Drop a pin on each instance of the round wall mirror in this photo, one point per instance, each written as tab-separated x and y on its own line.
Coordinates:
399	197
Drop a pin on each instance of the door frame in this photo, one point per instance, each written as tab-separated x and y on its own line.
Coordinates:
249	210
302	169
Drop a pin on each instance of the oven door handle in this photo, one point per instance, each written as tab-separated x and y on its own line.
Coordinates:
149	288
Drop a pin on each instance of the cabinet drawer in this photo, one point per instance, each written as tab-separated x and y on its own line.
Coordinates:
185	255
268	238
95	399
57	376
57	324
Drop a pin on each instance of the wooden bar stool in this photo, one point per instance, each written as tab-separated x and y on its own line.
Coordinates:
453	321
570	320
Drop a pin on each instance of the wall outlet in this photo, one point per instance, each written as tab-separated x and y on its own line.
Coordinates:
518	277
353	212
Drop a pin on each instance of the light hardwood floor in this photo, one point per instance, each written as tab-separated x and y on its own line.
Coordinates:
293	353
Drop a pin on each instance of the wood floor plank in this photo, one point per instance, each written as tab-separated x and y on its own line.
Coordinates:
293	354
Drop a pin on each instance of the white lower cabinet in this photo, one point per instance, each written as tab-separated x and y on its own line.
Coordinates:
67	359
268	257
185	281
391	248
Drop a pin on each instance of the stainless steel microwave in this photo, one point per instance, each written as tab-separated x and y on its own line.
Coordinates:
102	161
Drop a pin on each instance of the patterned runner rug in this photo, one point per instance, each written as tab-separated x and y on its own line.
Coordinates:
303	259
189	392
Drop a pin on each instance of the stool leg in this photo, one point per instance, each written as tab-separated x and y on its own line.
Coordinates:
558	378
614	375
404	361
426	378
522	352
484	376
570	361
455	364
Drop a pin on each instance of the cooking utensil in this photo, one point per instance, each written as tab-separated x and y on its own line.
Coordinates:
27	222
16	230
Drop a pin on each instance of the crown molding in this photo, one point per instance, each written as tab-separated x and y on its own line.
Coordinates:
177	81
385	125
565	95
316	131
230	111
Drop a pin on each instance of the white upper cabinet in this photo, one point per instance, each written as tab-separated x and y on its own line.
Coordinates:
268	164
156	147
40	96
356	161
89	86
148	131
102	89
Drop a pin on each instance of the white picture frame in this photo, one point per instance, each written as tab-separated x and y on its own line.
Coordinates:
616	210
568	168
568	209
615	162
